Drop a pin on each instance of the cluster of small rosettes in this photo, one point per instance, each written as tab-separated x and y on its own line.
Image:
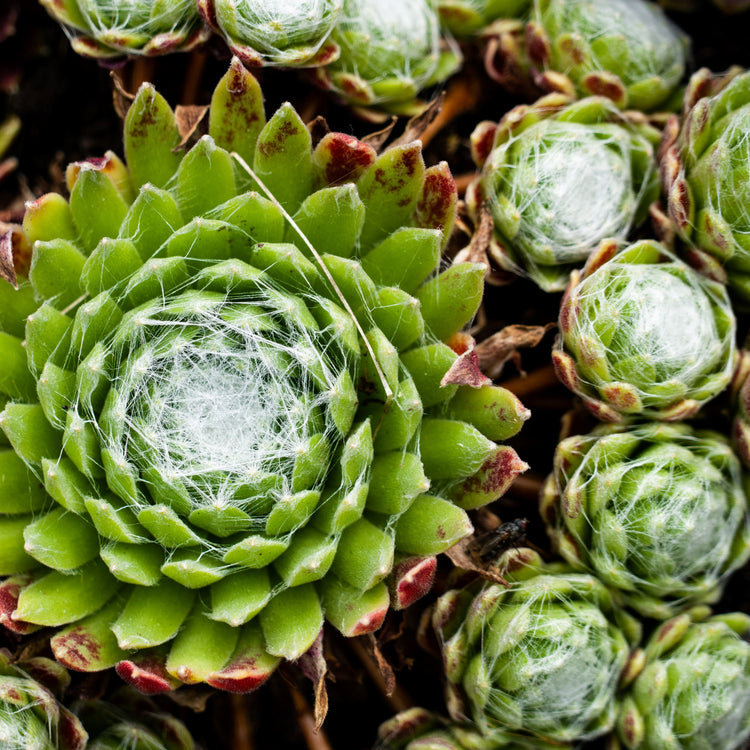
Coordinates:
560	178
371	54
657	511
643	335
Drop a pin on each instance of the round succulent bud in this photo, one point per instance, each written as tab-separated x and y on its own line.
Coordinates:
541	657
692	688
103	29
234	415
31	716
418	729
704	171
657	512
561	178
390	50
643	334
464	18
627	50
269	32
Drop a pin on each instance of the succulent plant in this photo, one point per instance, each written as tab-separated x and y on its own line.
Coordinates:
689	687
627	50
705	169
464	18
656	511
268	32
106	29
389	51
560	178
419	729
234	416
31	716
644	335
541	658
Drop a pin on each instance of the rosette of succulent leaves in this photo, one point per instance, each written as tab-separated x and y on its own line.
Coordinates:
643	335
627	50
689	687
276	32
656	511
559	177
115	28
419	729
538	659
389	51
232	411
705	173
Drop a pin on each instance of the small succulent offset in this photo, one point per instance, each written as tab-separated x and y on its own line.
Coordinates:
627	50
644	335
389	51
689	687
234	416
31	715
561	177
106	29
705	174
657	512
269	32
419	729
465	18
541	658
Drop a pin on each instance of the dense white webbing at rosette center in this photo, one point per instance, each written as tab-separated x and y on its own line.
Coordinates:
272	26
661	319
572	185
153	17
219	410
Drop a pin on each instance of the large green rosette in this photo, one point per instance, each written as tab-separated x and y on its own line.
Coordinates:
230	414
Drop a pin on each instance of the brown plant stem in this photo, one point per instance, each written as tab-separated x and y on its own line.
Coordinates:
463	181
193	74
539	380
396	697
527	486
242	735
141	72
461	96
315	739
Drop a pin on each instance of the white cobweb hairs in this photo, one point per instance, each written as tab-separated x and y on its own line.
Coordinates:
392	38
271	27
572	185
106	16
213	402
560	664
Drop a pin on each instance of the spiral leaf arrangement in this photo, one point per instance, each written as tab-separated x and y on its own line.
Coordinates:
232	418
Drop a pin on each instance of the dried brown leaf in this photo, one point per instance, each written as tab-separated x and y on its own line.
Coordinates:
502	346
188	119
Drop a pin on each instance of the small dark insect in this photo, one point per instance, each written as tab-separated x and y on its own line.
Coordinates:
488	546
